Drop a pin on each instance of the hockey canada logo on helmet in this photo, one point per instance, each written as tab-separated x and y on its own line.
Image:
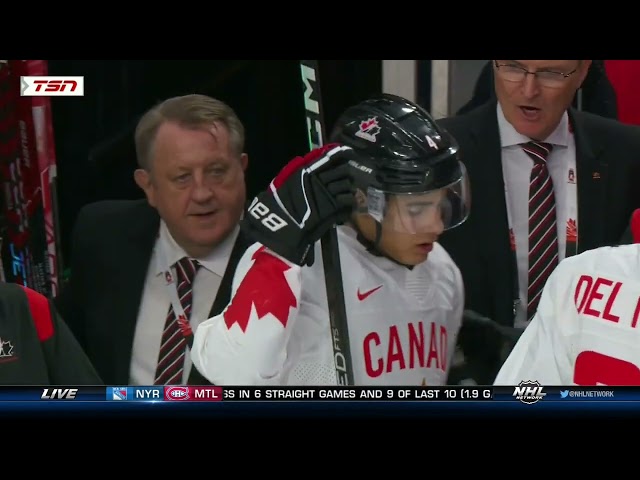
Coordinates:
411	174
369	129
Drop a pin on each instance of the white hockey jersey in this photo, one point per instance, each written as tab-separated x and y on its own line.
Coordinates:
403	323
586	330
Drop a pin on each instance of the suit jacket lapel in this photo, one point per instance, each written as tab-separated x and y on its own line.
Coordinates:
489	204
591	173
489	208
134	256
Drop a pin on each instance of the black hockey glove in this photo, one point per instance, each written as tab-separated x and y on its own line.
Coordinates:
308	196
485	345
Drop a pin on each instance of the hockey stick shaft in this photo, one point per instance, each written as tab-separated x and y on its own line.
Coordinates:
329	241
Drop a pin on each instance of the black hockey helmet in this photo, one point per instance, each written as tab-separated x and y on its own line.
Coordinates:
403	154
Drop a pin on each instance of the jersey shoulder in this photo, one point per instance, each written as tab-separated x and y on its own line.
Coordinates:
622	260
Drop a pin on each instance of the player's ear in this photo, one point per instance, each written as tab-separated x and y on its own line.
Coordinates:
143	180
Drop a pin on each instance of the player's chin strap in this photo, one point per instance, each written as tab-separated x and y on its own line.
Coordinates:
374	247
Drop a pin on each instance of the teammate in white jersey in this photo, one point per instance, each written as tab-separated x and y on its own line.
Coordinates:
403	294
587	328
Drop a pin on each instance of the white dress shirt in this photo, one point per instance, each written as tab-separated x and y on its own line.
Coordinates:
516	170
155	303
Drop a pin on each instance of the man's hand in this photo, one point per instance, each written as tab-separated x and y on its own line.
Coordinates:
308	196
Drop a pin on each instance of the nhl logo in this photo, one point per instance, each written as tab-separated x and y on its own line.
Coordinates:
529	392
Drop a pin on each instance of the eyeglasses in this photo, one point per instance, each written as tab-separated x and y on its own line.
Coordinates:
546	78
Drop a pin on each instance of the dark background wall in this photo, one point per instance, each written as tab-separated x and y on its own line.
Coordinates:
94	133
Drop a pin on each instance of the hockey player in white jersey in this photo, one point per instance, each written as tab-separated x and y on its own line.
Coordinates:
393	178
587	329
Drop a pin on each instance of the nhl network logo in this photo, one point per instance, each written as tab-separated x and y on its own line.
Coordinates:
529	392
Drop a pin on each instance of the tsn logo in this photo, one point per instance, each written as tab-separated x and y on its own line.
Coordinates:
260	211
51	86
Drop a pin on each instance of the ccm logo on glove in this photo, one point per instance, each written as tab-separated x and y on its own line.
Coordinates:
260	211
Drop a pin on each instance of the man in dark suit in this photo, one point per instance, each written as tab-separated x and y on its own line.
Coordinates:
145	273
547	182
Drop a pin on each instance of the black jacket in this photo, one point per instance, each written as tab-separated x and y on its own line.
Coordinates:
36	346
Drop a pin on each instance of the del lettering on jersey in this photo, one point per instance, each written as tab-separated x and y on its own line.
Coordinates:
598	297
425	346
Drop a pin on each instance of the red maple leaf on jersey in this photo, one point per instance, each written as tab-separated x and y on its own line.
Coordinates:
266	288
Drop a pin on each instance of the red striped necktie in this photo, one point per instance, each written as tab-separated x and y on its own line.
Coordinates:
174	343
543	231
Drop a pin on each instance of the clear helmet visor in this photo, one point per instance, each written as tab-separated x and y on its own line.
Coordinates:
415	213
